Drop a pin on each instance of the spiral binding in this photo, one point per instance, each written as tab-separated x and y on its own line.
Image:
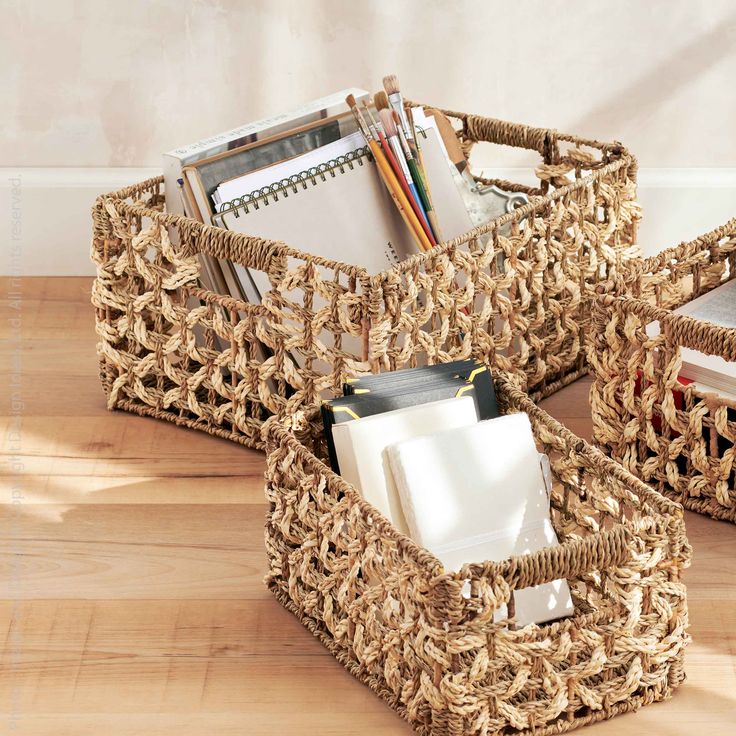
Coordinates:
271	193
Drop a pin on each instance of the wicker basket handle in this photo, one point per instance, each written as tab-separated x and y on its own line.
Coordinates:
481	128
568	560
262	254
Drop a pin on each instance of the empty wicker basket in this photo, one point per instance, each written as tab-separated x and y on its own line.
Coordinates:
396	620
679	438
514	293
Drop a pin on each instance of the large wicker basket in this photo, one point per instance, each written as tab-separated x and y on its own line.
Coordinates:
679	438
425	640
514	293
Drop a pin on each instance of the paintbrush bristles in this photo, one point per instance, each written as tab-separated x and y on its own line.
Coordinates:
388	122
380	100
369	114
362	125
391	84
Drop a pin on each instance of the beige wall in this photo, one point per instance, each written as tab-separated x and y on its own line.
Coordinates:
93	91
102	83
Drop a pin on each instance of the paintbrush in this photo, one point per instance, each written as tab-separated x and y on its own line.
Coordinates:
413	165
391	85
431	213
390	180
387	118
414	173
404	181
392	134
377	132
396	100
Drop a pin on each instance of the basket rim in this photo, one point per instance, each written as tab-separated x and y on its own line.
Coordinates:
515	217
703	244
211	238
686	331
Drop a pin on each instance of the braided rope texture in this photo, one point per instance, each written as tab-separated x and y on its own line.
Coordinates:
514	293
675	437
425	640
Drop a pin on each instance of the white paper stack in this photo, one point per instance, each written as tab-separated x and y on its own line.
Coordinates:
478	493
359	446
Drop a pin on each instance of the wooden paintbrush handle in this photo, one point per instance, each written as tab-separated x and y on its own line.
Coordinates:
400	200
391	156
414	169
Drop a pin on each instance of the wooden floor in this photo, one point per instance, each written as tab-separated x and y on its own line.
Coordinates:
132	566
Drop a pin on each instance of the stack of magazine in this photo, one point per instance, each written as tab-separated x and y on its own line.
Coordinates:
194	174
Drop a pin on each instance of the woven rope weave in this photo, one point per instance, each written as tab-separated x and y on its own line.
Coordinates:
425	641
675	437
514	293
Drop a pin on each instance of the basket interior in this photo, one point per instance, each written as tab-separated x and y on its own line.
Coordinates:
590	497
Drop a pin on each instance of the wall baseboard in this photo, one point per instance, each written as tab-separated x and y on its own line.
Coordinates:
53	206
682	204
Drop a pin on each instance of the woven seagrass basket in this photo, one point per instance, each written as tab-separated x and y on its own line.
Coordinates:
679	438
514	293
425	641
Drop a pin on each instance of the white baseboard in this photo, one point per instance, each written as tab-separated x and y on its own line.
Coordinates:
52	209
681	204
51	206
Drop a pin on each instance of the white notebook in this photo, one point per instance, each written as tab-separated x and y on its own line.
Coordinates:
359	446
344	214
478	493
347	216
252	181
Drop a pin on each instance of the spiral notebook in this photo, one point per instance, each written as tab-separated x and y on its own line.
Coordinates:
332	203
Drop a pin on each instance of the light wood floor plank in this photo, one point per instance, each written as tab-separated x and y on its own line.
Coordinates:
115	487
131	594
118	443
135	551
